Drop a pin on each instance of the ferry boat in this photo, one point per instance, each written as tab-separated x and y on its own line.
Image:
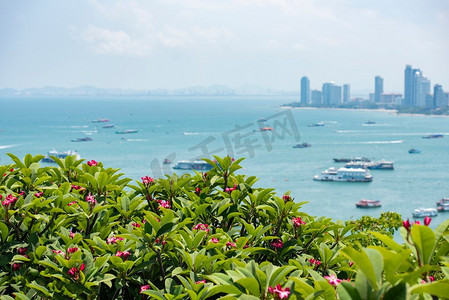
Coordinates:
100	121
61	155
433	136
192	165
443	207
425	212
319	124
443	201
344	174
303	145
414	151
355	159
127	131
83	139
379	165
364	203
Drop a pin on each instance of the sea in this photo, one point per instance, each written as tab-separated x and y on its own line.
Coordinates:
184	128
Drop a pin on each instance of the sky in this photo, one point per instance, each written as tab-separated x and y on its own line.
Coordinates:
150	44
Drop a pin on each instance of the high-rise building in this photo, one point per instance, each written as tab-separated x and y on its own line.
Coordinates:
439	99
346	93
331	94
317	97
305	90
408	85
378	88
421	87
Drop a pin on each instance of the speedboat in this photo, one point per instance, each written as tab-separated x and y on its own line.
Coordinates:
61	155
100	121
414	151
364	203
127	131
109	126
303	145
345	175
192	165
83	139
433	136
369	123
425	212
443	207
266	129
443	201
319	124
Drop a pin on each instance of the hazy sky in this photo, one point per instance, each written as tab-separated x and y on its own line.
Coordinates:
179	43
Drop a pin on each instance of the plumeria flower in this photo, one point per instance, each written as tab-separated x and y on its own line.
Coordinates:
16	266
114	239
286	198
123	254
38	195
315	262
406	225
229	190
277	244
298	222
71	203
92	163
147	180
200	226
231	245
333	280
74	272
200	281
10	199
198	191
72	234
427	221
137	225
214	240
144	288
91	199
164	204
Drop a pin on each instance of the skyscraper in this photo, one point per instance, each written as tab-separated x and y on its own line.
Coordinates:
439	99
317	97
305	90
346	93
378	88
408	85
331	94
421	87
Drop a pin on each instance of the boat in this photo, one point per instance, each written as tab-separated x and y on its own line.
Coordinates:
167	161
364	203
83	139
303	145
192	165
126	131
61	155
433	136
369	123
443	207
100	121
425	212
319	124
414	151
356	159
443	201
266	129
109	126
344	174
379	165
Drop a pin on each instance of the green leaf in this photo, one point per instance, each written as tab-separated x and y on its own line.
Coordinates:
347	292
424	240
387	241
40	251
250	284
40	288
364	264
438	288
4	231
398	292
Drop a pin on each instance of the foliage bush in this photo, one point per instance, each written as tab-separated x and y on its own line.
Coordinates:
83	231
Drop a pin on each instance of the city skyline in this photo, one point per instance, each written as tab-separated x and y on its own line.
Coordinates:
177	43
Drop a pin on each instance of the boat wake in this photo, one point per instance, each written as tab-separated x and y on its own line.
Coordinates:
194	133
380	142
137	140
7	146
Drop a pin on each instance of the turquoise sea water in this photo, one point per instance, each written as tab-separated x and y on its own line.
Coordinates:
188	127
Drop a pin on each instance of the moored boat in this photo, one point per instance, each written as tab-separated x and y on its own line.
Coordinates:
61	155
344	175
443	201
425	212
365	203
356	159
109	126
192	165
369	123
303	145
379	165
443	207
83	139
100	121
319	124
414	151
126	131
433	136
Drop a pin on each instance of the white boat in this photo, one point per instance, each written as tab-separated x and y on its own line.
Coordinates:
443	207
192	165
443	201
345	175
425	212
379	165
61	155
364	203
